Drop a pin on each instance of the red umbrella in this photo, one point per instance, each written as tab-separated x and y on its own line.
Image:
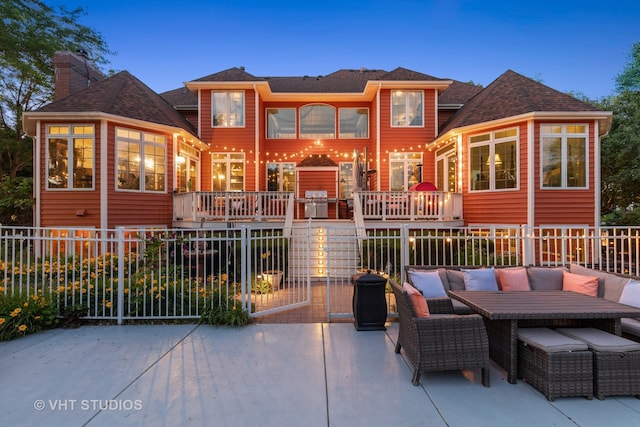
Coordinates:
423	186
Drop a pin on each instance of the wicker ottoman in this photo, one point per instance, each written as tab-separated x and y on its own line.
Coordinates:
616	361
555	364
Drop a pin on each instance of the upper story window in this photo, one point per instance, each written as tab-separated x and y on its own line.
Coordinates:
317	121
564	156
494	160
227	109
281	123
141	160
70	156
354	122
404	170
407	108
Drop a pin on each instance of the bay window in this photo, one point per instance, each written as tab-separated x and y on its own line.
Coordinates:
564	156
70	156
494	160
140	160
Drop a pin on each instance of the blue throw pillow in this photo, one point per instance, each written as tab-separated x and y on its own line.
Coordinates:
428	283
480	279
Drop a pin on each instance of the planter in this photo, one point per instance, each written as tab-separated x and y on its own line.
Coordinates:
273	278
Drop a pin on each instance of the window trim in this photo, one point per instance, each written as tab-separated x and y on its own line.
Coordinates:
295	123
406	125
244	109
564	158
368	122
491	142
142	143
70	159
405	161
317	136
228	160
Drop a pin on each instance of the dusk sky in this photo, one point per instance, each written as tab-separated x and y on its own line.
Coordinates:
570	45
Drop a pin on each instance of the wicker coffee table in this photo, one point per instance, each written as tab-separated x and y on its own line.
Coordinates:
505	312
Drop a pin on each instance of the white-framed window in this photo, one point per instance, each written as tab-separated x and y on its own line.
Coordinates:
187	168
564	156
404	170
317	121
493	160
227	109
281	123
140	161
227	173
447	169
281	176
70	156
346	180
353	122
407	108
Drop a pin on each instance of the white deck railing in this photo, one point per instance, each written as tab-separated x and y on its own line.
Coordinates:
264	205
229	206
410	205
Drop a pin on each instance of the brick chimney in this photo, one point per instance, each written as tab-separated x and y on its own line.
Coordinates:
73	72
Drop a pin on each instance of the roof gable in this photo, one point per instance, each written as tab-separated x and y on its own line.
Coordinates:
512	94
235	74
122	95
403	74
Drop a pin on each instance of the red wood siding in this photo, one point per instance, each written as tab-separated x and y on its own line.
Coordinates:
296	150
501	206
138	208
310	179
226	140
76	208
410	139
565	206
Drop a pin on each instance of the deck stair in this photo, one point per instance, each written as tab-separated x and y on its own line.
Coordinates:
322	249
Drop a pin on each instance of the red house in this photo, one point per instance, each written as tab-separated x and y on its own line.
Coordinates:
349	145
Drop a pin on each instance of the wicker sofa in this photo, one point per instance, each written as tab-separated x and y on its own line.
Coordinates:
610	286
440	342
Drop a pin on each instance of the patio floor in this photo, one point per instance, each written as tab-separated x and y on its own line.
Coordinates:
304	374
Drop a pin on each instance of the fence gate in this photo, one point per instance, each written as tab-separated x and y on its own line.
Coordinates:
278	276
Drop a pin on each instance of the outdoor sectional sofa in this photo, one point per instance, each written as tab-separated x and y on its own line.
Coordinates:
610	286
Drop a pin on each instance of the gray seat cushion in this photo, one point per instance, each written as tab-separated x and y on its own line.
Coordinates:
600	340
549	340
631	326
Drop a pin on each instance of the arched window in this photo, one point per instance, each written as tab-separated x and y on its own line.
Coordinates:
317	121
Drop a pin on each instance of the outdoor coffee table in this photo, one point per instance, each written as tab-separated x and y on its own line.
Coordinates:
504	312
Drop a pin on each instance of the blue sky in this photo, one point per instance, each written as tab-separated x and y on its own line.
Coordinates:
570	45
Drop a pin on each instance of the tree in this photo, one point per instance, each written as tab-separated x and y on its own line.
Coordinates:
30	34
629	79
620	152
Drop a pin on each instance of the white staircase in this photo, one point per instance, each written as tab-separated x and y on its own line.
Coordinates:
322	248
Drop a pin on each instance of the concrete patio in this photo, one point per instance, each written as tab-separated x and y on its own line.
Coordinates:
305	374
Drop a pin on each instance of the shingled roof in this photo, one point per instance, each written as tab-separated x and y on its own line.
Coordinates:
181	97
510	95
341	81
122	95
458	93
